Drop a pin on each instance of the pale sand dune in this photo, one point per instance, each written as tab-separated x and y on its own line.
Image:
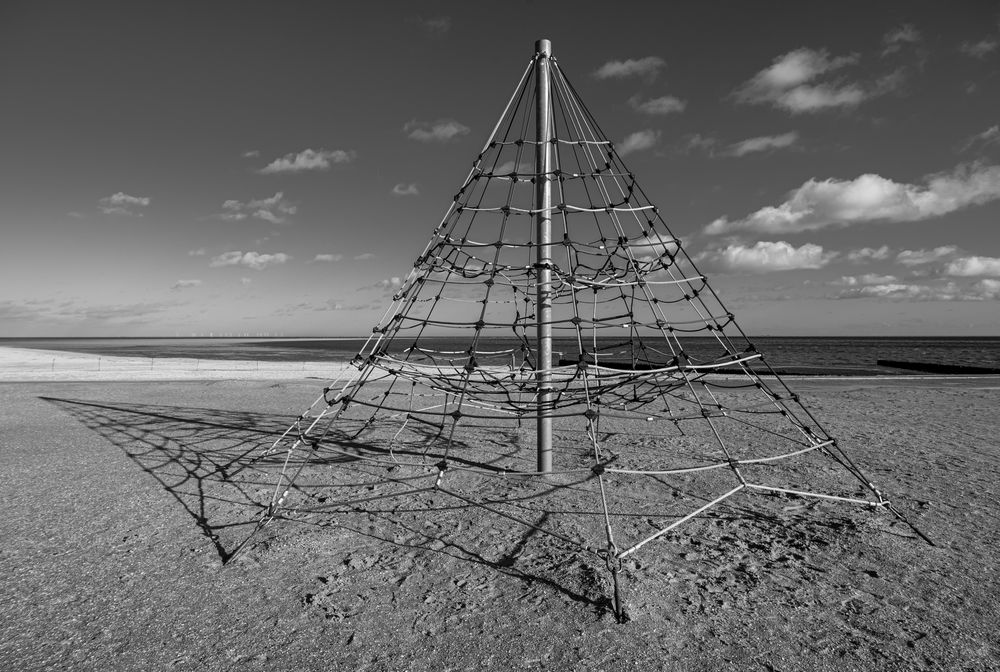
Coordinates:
24	364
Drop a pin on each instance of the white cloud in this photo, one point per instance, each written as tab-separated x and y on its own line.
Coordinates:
259	261
402	189
868	253
66	311
274	209
184	284
763	143
811	99
329	258
268	216
638	141
786	83
653	247
887	83
276	201
441	130
334	305
364	256
983	290
866	279
700	142
895	290
896	38
660	106
987	288
254	260
121	203
525	170
227	259
508	167
308	159
121	198
980	49
766	256
971	266
876	279
389	283
438	25
920	257
869	198
647	67
990	136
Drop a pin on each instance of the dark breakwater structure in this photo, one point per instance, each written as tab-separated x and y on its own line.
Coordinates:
946	369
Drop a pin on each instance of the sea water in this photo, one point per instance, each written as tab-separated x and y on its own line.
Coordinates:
843	355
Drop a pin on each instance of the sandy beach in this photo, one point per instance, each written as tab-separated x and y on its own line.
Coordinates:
124	489
29	364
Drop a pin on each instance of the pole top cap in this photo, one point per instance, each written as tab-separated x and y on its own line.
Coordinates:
543	47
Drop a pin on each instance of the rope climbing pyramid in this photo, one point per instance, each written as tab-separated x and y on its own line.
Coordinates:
553	300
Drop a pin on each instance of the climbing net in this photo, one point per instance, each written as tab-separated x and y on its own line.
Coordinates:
653	381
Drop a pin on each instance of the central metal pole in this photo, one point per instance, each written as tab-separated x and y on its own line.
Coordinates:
543	262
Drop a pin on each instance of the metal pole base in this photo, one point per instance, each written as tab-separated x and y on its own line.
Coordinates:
618	602
618	583
900	516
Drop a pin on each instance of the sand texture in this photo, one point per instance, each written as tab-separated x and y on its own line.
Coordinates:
122	499
29	364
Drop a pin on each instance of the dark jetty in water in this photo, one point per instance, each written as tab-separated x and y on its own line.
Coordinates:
928	367
735	370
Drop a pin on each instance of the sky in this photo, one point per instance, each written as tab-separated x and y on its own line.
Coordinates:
250	168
